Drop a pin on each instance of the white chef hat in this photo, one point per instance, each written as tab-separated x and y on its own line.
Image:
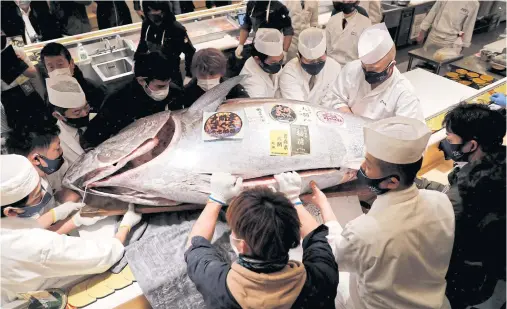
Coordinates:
312	43
374	43
18	178
65	91
269	42
398	140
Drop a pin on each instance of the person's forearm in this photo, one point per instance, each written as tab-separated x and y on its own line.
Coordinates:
327	212
46	220
30	72
308	222
55	227
205	224
345	109
67	226
122	233
243	35
286	42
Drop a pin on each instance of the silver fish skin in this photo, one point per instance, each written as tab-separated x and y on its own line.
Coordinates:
163	160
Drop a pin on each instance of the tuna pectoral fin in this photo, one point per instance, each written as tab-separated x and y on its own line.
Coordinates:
210	101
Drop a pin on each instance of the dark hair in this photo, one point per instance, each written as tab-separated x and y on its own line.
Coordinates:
257	53
54	49
477	122
23	143
266	221
406	172
20	204
162	5
153	66
209	61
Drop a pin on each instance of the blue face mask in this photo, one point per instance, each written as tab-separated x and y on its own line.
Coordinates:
52	165
36	210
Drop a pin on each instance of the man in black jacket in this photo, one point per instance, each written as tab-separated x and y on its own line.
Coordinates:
72	16
42	23
112	14
265	225
150	92
57	60
477	193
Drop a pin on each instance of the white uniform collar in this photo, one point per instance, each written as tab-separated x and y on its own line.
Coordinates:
392	198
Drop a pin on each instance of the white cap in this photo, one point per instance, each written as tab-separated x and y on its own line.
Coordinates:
398	140
269	42
18	178
64	91
374	43
312	43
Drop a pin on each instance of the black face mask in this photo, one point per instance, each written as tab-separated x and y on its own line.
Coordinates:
313	68
157	19
53	165
4	41
78	122
373	183
346	8
453	151
271	68
377	77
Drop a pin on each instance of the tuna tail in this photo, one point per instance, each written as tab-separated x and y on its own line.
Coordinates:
211	100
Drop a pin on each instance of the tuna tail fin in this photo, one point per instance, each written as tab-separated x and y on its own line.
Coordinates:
211	100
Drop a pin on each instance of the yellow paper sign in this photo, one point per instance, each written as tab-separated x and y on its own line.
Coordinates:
279	143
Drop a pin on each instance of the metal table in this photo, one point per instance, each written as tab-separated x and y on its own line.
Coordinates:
475	64
427	55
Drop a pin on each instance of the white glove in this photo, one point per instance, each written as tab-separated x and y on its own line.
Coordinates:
239	51
224	187
186	80
130	218
63	211
78	220
290	185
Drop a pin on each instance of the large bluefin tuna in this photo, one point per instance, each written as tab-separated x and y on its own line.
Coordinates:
168	158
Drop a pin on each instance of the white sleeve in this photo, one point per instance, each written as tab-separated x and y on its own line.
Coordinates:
468	25
63	255
254	87
375	12
428	20
352	253
337	95
22	55
289	86
408	105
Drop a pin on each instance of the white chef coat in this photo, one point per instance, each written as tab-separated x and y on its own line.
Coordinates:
301	19
342	43
394	97
69	141
55	179
374	10
294	81
35	259
259	84
447	19
398	253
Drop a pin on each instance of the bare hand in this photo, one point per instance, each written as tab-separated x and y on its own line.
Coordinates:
140	13
420	37
318	198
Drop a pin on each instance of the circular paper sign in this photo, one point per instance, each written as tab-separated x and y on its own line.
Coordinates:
330	117
222	125
283	113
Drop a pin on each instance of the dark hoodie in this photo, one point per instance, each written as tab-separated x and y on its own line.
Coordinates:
170	38
310	284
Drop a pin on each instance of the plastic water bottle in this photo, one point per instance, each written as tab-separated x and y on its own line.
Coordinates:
83	54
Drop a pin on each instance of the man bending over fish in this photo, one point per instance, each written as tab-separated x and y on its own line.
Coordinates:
265	225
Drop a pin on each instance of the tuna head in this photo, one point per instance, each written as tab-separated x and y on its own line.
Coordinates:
135	145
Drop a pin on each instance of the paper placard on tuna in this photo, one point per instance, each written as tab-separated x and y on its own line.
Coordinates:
222	125
279	143
256	115
300	140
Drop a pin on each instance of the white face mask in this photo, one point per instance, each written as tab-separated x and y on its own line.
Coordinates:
59	72
231	240
157	95
207	84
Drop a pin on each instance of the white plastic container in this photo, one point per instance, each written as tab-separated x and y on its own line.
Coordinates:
82	53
